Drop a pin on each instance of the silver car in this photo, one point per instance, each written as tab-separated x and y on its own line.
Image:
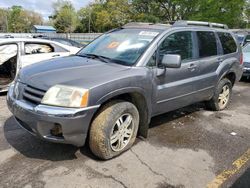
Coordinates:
246	60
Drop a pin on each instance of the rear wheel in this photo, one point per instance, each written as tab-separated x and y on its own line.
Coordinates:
222	96
114	129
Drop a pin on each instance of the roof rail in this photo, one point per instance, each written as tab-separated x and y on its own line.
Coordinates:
146	25
185	23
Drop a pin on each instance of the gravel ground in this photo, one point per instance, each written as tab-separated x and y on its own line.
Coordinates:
185	148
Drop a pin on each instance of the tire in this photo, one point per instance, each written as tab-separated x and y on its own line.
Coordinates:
215	103
106	125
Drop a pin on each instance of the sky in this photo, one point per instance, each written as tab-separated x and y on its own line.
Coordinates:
44	7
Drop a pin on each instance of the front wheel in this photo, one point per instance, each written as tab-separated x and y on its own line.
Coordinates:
114	129
222	96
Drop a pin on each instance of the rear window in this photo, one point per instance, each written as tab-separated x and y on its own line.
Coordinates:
228	43
207	43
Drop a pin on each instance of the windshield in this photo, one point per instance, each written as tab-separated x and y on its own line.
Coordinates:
124	46
246	48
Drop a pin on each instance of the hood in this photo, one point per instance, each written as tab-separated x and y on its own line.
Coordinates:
73	70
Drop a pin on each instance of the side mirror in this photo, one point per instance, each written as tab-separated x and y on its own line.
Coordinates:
171	61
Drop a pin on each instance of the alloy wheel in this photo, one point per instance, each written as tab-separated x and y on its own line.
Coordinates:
122	132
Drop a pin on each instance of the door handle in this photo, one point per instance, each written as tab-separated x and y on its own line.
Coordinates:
57	55
219	60
192	67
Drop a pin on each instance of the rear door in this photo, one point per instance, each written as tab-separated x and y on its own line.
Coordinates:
34	52
209	56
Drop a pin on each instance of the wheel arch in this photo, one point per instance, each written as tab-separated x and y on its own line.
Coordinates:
137	97
230	75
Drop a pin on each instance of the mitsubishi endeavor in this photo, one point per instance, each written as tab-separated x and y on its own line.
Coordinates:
108	92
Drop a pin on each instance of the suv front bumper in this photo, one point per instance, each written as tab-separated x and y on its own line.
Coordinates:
40	120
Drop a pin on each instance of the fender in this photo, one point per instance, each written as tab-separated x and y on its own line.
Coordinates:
145	108
228	65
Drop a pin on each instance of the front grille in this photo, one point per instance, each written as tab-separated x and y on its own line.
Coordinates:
33	95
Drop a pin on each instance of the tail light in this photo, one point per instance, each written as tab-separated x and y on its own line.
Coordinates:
241	58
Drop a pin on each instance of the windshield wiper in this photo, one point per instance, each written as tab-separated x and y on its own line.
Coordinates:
94	56
103	58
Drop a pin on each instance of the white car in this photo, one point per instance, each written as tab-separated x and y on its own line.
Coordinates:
20	52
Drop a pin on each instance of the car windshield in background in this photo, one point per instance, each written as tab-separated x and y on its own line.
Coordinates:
240	38
246	40
124	46
246	49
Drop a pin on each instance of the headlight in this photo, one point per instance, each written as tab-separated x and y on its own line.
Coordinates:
66	96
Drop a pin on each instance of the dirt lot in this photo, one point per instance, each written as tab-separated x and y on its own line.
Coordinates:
190	147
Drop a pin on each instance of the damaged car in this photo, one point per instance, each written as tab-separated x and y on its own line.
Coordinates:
18	53
107	93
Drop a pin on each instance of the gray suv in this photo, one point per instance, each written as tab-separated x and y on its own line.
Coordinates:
108	92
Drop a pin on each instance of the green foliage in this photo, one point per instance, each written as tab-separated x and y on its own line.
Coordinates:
229	12
103	15
65	17
224	11
247	13
3	20
20	20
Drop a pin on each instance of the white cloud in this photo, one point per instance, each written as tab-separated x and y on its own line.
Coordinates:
43	7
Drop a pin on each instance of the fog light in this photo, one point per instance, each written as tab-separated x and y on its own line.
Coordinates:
56	130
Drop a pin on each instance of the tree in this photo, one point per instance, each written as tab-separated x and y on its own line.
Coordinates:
104	15
247	12
229	12
20	20
224	11
65	17
3	20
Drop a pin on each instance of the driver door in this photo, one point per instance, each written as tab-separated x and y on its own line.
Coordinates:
175	87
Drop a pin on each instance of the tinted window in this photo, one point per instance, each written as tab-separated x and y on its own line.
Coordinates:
58	48
207	44
228	43
178	43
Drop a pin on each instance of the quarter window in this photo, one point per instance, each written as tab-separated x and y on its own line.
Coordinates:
207	44
228	43
152	61
178	43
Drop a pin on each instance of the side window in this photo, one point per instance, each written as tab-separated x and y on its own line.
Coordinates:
37	48
207	43
227	42
63	42
58	48
178	43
